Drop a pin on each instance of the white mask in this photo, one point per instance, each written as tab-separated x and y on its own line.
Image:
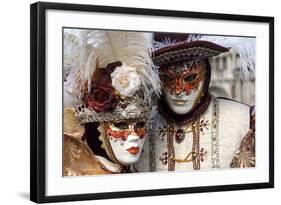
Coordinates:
182	103
183	85
126	140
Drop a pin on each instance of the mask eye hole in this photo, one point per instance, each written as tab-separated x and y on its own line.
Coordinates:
139	128
190	78
139	125
121	125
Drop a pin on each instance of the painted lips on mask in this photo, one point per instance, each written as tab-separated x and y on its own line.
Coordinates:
179	100
133	150
133	144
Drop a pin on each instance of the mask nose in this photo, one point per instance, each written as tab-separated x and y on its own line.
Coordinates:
179	86
133	138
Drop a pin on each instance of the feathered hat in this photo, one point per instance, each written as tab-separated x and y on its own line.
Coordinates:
110	74
175	48
172	50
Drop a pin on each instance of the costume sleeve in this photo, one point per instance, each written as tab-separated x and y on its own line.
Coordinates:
245	156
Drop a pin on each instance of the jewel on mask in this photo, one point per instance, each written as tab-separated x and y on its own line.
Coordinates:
123	105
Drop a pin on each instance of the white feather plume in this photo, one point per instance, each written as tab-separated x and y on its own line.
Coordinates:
166	42
87	49
244	46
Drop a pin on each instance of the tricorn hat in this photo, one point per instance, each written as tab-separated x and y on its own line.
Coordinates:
174	48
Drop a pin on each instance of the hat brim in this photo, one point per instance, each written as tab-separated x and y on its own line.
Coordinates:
185	51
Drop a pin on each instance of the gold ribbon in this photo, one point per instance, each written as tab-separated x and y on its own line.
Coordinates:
189	158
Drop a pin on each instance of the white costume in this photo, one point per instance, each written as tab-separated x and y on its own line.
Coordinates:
216	135
194	130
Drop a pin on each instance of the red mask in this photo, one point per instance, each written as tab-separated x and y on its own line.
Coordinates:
124	128
182	78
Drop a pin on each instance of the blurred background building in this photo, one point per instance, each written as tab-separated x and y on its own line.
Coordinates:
226	79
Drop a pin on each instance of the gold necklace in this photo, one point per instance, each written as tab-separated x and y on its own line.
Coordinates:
192	156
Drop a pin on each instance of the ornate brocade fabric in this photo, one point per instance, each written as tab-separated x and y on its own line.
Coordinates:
246	154
210	141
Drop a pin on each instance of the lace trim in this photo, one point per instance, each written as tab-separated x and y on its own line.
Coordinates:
215	135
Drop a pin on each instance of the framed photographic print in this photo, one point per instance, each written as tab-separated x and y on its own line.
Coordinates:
129	102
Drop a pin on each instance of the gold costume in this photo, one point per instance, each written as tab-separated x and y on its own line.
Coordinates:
79	159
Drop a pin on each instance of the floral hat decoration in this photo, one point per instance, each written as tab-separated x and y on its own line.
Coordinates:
111	76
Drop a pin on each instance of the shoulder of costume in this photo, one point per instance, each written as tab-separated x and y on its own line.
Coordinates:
232	102
234	111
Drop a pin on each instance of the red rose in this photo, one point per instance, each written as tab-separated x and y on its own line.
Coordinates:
102	98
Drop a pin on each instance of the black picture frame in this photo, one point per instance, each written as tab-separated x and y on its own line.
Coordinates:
38	100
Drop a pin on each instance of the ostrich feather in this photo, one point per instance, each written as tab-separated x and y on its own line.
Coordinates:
166	42
244	46
88	50
78	53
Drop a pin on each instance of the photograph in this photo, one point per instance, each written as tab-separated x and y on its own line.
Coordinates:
154	101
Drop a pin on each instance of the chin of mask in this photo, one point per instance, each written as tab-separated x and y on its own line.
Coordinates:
126	141
182	103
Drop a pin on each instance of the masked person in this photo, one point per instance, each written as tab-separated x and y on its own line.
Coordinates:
195	130
109	85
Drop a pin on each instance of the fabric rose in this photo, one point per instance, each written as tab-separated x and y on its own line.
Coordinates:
125	80
102	97
105	73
